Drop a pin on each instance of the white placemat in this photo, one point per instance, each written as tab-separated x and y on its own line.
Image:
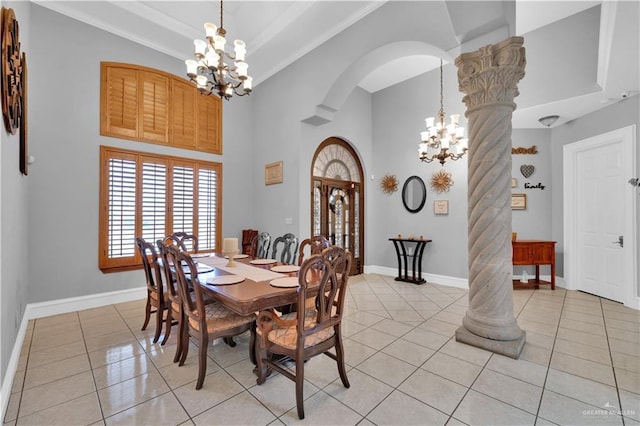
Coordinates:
238	256
201	268
286	282
262	261
225	280
285	268
200	255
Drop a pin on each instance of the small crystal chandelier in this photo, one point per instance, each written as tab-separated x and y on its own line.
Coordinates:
209	70
441	137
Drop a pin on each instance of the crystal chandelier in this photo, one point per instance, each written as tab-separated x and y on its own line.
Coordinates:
440	138
209	70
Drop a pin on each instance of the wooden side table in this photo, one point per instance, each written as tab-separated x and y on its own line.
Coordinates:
535	252
404	255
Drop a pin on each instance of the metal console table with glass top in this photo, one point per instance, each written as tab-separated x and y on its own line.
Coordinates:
410	249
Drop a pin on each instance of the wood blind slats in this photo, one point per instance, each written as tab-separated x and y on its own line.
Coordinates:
154	205
183	114
121	216
183	200
209	124
120	105
155	107
207	207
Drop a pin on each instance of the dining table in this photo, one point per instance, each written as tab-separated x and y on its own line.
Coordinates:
252	285
255	287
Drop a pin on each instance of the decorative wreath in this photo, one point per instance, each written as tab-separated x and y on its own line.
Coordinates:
389	184
441	181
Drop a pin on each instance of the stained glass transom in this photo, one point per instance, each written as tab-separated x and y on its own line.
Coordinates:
335	162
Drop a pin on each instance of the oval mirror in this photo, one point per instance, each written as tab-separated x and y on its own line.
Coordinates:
414	194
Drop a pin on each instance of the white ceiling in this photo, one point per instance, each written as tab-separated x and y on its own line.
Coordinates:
559	36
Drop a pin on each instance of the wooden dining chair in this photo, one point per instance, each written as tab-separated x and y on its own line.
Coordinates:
316	244
303	335
184	241
157	298
289	243
203	322
175	305
247	238
260	245
173	294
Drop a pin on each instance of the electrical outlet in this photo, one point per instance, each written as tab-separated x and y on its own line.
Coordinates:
288	221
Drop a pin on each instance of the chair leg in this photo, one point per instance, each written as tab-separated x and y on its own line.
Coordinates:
202	358
185	342
300	387
229	341
260	354
253	344
167	326
340	360
181	322
159	314
147	312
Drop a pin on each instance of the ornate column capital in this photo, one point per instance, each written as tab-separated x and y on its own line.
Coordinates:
490	75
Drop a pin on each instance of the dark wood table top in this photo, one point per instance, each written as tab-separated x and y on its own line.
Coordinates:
248	296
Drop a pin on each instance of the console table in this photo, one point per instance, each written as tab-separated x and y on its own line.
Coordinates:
535	252
402	246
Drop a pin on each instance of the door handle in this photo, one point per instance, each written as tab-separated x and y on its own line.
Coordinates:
620	241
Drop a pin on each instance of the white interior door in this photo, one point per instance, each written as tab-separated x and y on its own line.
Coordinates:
599	215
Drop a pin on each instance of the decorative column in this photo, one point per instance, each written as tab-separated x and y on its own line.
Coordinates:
488	78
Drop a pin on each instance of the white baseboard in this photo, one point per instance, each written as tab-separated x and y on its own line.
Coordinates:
55	307
7	383
432	278
72	304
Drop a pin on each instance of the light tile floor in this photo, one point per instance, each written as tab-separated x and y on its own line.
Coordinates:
581	365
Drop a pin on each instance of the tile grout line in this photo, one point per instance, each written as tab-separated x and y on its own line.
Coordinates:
555	337
613	369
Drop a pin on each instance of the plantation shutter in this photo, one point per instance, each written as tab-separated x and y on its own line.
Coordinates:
118	209
208	184
153	196
154	199
119	102
183	198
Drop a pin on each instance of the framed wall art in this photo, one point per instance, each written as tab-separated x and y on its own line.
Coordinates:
441	207
273	173
518	201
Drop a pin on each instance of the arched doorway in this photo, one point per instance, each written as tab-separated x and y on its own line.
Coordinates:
337	198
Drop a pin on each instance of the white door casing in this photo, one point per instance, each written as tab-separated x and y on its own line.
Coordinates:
599	207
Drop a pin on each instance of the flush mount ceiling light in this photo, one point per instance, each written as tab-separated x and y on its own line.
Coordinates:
209	70
548	120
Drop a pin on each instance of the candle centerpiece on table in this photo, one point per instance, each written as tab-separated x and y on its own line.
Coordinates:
230	249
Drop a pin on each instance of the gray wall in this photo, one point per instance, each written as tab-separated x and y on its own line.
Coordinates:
398	118
65	139
616	116
14	231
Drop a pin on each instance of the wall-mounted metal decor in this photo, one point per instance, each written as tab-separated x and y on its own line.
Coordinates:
527	170
11	72
441	182
389	184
